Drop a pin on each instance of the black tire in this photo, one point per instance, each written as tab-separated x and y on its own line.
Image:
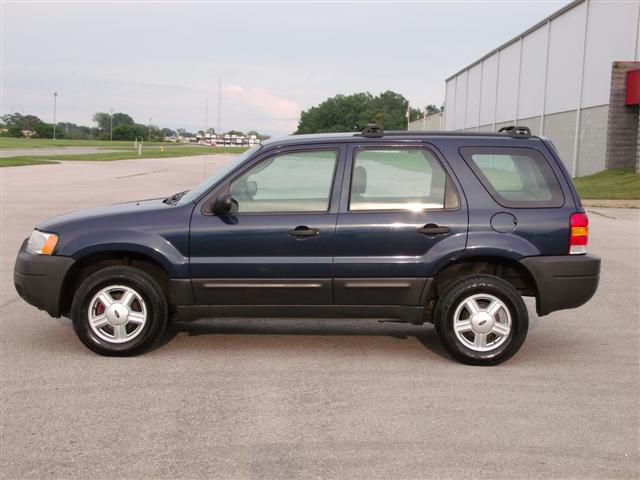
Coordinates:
461	290
155	301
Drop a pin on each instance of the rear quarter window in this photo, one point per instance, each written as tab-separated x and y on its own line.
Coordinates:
515	177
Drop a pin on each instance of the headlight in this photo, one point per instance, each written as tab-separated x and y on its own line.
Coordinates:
42	243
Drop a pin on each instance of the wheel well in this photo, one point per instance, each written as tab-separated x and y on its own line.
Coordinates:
509	270
92	263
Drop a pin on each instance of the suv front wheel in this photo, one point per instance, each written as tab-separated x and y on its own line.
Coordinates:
481	320
119	311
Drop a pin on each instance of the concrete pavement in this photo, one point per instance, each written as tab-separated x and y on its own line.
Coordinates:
309	398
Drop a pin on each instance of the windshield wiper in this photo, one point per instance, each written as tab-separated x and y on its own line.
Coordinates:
174	198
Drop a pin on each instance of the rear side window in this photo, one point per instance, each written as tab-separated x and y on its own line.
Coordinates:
399	179
515	177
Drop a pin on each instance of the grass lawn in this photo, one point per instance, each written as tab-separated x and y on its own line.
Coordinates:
618	183
169	151
19	161
10	142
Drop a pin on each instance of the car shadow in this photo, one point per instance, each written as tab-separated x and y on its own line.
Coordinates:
425	334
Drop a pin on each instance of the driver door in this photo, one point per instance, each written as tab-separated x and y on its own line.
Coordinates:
278	248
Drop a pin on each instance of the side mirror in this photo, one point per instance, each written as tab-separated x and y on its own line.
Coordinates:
225	205
252	188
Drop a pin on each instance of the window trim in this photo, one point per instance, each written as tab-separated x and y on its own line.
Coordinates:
277	153
557	200
349	183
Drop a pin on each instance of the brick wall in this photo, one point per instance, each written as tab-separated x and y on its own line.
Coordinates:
623	129
638	149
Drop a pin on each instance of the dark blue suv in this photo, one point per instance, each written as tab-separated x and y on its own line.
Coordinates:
446	228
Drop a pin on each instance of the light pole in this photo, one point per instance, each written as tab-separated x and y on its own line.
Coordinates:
111	134
149	128
55	101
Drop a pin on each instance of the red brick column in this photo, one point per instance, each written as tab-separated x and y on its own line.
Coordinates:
623	126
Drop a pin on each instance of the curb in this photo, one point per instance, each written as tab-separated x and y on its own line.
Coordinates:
611	203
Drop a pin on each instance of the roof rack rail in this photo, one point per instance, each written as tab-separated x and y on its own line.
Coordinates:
516	131
372	130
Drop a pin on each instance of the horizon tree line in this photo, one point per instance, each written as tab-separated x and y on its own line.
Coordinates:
123	128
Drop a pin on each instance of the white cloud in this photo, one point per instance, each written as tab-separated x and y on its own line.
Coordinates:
164	60
260	102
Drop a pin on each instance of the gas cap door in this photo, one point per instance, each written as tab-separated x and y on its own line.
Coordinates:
503	222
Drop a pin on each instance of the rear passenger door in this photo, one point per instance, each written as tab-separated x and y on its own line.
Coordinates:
400	214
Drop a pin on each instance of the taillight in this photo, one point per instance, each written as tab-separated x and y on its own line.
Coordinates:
579	235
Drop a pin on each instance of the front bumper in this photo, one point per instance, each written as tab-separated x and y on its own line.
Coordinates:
563	282
39	278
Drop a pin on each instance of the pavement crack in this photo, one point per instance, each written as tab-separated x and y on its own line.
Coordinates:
143	173
601	214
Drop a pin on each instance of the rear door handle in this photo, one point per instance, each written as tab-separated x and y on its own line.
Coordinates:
433	229
304	231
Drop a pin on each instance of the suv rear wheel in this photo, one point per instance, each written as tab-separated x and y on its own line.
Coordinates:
481	320
119	311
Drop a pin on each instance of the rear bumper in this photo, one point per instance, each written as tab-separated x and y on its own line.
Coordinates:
38	279
563	282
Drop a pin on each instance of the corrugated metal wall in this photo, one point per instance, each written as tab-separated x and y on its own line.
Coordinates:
557	72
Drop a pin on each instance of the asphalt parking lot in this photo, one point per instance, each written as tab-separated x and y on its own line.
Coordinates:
310	399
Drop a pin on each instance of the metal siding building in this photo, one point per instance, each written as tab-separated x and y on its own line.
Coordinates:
555	78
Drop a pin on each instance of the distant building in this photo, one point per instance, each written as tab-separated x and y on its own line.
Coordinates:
227	140
568	78
431	123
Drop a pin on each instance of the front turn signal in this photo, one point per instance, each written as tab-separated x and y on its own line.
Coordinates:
42	243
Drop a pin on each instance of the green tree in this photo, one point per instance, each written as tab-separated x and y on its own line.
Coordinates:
72	131
44	130
345	113
122	119
103	120
14	131
431	109
155	133
78	133
12	123
129	132
167	132
11	119
16	124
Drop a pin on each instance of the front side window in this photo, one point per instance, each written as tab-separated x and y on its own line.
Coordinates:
289	182
515	177
210	182
399	179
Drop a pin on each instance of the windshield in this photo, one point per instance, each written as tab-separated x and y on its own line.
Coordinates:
209	182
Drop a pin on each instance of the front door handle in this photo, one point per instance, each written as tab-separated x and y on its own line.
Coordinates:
304	231
433	229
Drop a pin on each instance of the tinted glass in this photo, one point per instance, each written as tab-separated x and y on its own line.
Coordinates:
518	177
291	182
211	181
397	179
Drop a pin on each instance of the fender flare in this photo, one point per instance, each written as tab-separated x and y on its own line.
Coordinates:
130	241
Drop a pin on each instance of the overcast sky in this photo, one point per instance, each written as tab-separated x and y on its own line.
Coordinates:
163	60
